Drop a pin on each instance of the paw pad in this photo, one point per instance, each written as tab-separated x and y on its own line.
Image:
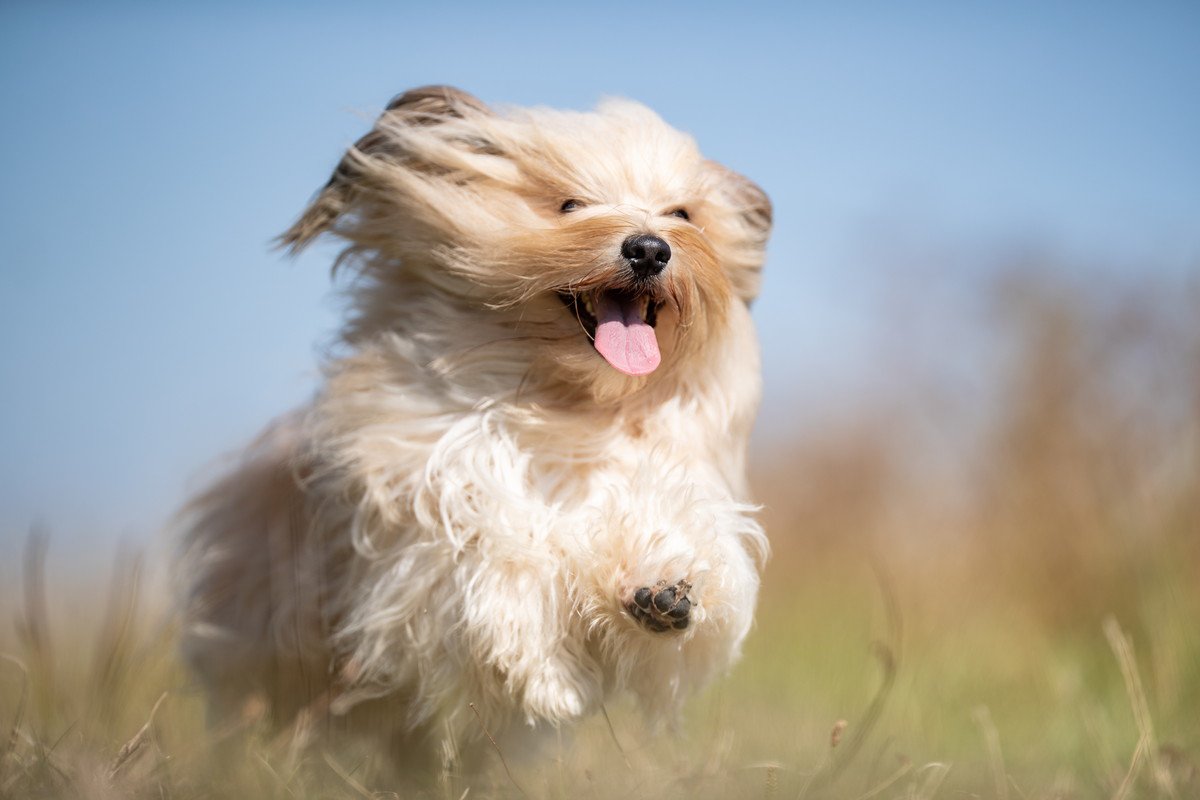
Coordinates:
662	607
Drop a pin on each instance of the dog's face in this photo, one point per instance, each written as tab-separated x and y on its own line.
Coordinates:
603	241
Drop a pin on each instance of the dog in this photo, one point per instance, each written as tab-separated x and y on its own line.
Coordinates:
522	487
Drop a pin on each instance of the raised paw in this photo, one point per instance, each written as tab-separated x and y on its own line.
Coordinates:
661	607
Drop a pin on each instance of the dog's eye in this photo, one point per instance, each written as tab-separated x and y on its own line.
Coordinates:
569	205
681	213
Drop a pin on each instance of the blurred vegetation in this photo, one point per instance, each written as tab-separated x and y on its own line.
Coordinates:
986	593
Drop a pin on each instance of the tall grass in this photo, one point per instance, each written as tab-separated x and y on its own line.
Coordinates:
998	597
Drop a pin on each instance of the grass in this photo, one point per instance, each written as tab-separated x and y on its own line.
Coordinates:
1015	620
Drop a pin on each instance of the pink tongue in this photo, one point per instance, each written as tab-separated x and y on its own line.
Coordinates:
625	339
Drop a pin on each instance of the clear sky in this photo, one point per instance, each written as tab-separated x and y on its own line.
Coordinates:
149	152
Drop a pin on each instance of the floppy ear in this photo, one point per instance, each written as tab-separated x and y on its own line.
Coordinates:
747	198
425	106
750	215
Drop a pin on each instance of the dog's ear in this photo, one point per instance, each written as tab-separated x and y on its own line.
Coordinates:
424	106
747	198
751	215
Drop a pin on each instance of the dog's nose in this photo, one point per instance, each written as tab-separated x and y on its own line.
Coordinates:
648	255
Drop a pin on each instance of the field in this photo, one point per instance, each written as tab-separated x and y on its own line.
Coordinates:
993	593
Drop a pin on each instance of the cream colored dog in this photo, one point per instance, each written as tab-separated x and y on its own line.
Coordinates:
522	485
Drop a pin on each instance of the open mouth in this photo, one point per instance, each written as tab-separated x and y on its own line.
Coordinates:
620	324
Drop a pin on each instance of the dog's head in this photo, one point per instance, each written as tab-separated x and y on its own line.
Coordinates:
603	242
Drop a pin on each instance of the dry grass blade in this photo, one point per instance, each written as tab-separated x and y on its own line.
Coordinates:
888	653
113	651
262	760
1137	699
991	737
887	782
341	772
935	773
771	782
1133	682
33	628
613	733
1139	755
10	743
295	741
835	738
134	745
836	761
499	752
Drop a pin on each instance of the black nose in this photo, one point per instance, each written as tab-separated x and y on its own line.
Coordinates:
648	255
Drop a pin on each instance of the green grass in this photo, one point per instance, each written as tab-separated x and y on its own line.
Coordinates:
986	701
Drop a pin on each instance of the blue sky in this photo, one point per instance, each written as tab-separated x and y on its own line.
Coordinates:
150	152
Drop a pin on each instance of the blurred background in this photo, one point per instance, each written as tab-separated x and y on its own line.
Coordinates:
979	452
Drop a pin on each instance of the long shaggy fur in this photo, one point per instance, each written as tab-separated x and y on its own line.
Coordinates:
465	510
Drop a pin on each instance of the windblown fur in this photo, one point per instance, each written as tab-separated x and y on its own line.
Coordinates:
464	513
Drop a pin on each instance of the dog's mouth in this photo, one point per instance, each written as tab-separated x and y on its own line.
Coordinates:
620	324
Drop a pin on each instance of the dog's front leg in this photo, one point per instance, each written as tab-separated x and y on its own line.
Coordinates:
517	622
688	579
674	582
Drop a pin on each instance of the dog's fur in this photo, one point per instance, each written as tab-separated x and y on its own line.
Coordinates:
465	512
